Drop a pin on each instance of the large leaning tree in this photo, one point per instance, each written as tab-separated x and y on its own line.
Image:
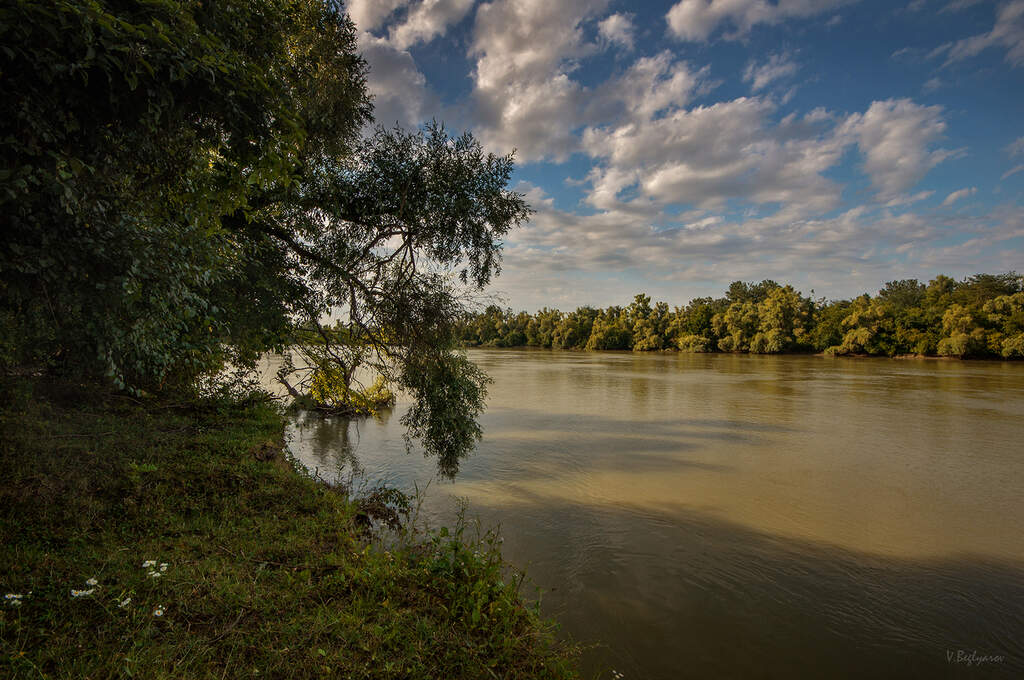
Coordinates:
186	184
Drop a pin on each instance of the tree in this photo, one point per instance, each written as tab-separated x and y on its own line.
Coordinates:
610	330
736	326
784	318
828	324
740	291
961	334
1005	317
903	293
573	330
541	327
186	184
648	325
976	290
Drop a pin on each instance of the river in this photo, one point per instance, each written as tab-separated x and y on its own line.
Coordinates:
734	516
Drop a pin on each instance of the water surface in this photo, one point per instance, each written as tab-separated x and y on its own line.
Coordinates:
698	516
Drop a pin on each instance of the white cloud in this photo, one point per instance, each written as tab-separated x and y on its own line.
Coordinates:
398	88
895	137
839	255
957	5
617	29
777	67
932	84
662	154
1008	33
696	20
1012	171
678	188
957	195
370	15
428	20
557	243
648	89
1016	147
905	199
910	53
708	155
524	95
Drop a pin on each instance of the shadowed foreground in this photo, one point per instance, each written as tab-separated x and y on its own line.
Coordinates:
155	540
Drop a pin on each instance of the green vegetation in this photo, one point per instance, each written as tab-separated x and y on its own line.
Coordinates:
981	316
185	186
160	540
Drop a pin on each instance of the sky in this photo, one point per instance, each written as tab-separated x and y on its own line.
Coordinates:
673	147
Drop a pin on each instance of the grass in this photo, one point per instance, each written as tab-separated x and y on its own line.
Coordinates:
268	573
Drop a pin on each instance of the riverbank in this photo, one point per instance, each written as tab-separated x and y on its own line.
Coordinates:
151	539
826	355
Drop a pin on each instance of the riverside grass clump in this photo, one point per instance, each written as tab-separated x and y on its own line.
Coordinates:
153	540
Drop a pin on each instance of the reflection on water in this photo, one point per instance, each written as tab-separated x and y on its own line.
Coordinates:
743	516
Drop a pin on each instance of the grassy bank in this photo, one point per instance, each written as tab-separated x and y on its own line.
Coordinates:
156	540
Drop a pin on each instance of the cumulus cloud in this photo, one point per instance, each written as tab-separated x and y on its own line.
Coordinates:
708	155
428	20
957	195
696	20
399	89
617	29
777	67
1007	33
370	15
680	187
669	176
525	51
895	137
867	244
860	239
648	89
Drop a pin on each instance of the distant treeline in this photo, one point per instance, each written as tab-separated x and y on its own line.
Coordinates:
981	316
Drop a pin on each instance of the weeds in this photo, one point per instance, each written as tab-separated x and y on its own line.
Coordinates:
192	557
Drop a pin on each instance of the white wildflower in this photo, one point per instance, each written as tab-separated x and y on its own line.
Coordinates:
15	603
155	574
159	611
148	563
92	582
125	602
12	596
82	593
163	566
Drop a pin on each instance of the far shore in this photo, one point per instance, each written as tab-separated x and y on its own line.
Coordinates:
823	355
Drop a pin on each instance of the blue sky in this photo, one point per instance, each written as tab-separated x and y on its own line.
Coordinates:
672	147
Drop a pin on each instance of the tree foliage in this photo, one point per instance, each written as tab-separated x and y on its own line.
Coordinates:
981	316
186	185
